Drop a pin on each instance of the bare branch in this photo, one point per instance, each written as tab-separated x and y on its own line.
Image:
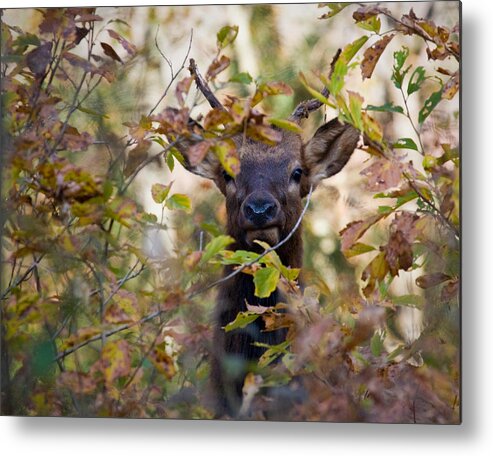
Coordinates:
173	75
303	110
203	86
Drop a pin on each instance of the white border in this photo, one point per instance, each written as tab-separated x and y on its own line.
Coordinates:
473	437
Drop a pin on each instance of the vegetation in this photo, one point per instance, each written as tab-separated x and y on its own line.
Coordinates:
93	325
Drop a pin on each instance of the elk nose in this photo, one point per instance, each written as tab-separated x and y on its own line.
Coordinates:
260	211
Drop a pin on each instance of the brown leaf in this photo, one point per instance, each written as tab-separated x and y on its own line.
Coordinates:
431	280
136	156
451	86
398	253
163	363
366	12
216	117
129	47
182	89
217	66
80	34
88	18
372	54
110	52
197	152
382	174
38	59
354	230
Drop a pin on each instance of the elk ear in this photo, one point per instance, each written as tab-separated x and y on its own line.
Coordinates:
329	150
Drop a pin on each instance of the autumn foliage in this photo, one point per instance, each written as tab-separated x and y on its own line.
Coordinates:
92	325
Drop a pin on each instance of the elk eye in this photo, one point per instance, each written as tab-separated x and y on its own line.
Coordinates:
296	174
227	177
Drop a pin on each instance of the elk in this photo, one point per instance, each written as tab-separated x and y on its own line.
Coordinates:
264	202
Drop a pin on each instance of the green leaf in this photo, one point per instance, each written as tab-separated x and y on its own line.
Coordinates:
242	319
334	8
409	301
355	103
170	161
430	105
214	247
226	36
387	107
358	249
160	192
372	24
242	78
399	60
341	66
265	281
376	343
286	125
179	201
416	80
405	143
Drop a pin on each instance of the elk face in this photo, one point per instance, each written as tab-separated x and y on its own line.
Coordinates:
263	201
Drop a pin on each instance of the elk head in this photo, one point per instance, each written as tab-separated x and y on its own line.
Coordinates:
264	200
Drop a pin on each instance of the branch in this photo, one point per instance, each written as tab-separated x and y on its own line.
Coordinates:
304	109
173	75
203	86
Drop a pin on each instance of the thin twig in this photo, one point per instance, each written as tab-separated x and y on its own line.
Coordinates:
173	75
203	86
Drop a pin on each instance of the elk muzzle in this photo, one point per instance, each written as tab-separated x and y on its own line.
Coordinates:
261	218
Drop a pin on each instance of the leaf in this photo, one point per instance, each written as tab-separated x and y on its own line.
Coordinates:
432	280
286	125
372	24
179	201
242	78
163	363
416	80
38	59
314	93
129	47
372	55
110	52
182	89
226	36
228	156
136	157
334	8
217	66
387	107
160	192
382	174
271	88
358	249
197	152
214	247
405	143
451	87
400	58
355	104
354	230
341	66
115	360
429	105
265	281
242	319
366	12
376	343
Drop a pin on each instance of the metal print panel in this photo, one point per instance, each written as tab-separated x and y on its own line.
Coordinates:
232	212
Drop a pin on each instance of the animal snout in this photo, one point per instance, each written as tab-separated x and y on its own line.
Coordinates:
260	210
